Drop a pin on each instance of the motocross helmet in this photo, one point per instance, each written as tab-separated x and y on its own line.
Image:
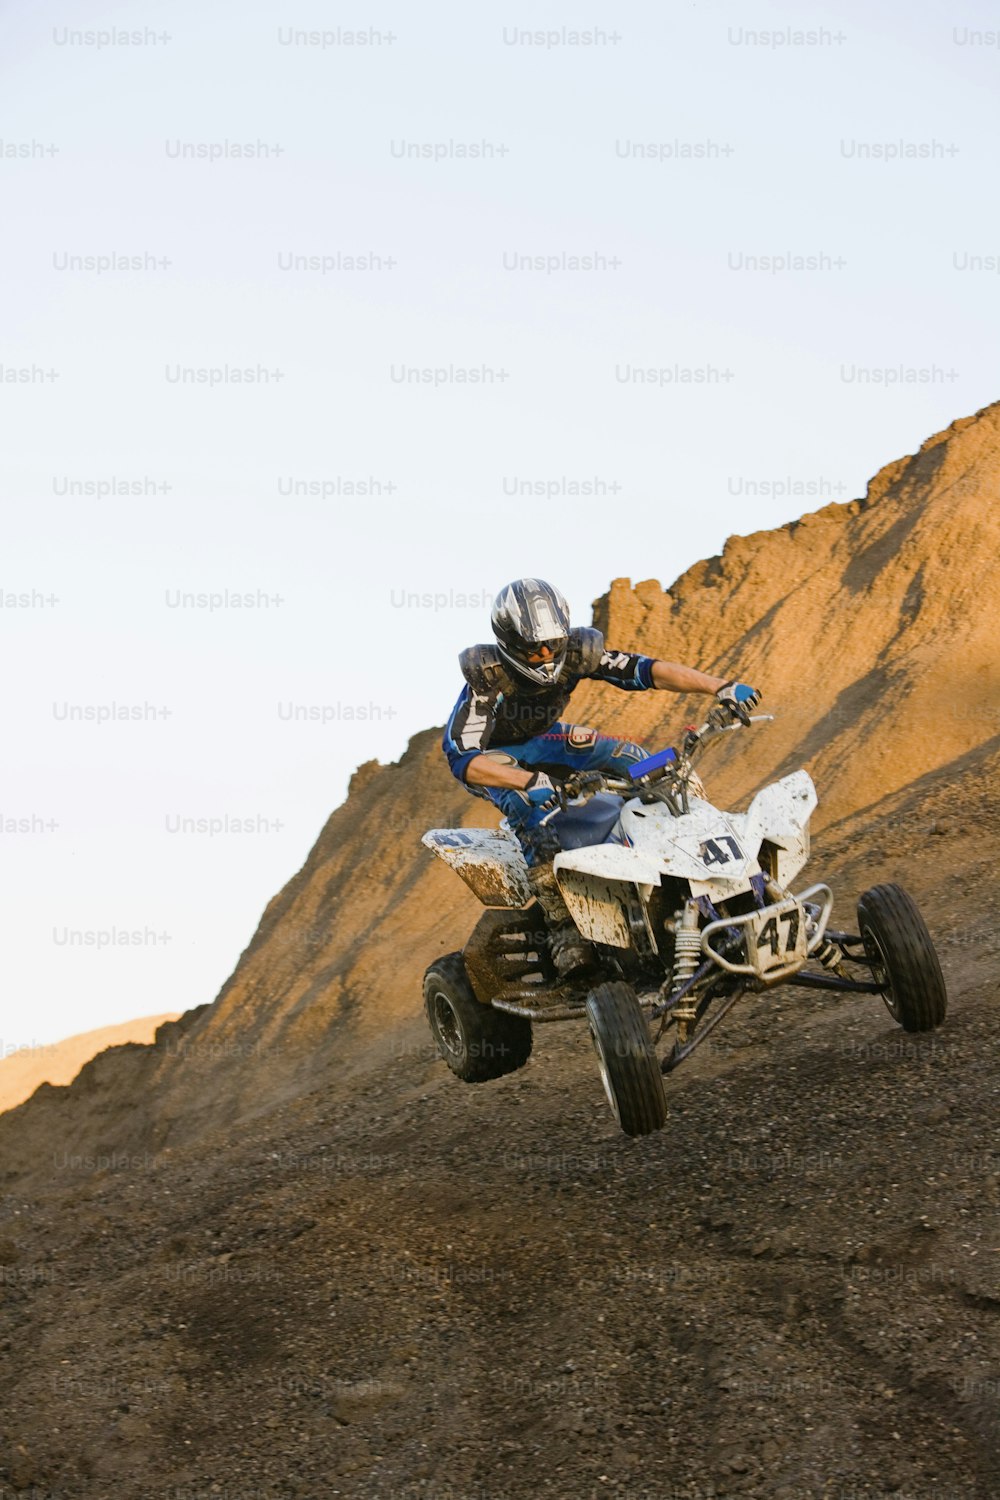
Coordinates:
531	623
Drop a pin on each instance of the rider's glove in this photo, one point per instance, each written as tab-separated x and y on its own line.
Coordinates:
739	699
540	791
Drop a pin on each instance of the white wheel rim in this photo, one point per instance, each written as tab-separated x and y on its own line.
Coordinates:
449	1030
880	973
605	1075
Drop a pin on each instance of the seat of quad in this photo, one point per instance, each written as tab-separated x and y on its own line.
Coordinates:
589	823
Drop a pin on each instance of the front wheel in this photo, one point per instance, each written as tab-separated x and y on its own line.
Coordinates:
903	958
629	1069
477	1042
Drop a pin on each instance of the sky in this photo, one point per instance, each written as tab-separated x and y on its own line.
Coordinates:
321	323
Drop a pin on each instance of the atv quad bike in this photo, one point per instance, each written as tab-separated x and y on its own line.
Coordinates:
688	908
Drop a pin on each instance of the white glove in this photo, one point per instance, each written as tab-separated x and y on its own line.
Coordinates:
739	699
540	790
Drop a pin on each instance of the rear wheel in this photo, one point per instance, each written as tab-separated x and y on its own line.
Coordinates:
903	958
629	1069
476	1041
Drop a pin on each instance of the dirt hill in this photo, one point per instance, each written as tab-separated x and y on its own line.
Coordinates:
871	628
59	1062
282	1253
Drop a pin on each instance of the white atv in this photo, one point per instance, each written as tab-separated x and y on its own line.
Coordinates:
687	908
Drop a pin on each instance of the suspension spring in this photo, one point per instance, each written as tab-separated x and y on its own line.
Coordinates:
687	955
828	954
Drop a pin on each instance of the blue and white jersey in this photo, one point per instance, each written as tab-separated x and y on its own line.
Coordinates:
494	708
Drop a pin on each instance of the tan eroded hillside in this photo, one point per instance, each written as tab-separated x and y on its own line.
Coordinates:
871	628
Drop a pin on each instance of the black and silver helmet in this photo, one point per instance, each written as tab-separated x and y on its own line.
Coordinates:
531	623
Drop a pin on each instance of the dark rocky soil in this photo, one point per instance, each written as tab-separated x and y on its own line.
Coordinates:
400	1286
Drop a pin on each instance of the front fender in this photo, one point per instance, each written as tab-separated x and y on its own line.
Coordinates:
779	815
597	884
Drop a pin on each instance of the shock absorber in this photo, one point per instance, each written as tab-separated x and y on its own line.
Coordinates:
687	954
829	955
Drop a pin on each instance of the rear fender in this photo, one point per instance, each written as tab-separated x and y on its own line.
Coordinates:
488	859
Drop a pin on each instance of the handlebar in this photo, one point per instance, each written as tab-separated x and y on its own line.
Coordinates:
581	785
718	722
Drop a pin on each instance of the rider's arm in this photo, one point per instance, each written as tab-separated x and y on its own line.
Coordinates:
487	770
466	736
634	672
678	679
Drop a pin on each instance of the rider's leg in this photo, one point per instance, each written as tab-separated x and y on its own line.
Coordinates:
565	748
578	748
569	950
587	750
562	749
573	747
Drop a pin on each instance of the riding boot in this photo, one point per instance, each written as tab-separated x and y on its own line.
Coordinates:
569	950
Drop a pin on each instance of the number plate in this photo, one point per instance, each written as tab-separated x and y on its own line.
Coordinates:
777	937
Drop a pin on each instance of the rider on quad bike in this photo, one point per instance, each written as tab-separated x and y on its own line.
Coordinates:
506	735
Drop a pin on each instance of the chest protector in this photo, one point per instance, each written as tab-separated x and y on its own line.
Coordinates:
521	709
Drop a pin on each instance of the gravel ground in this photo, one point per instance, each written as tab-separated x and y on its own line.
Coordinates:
403	1288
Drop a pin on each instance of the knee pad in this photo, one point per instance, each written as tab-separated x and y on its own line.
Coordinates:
579	737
